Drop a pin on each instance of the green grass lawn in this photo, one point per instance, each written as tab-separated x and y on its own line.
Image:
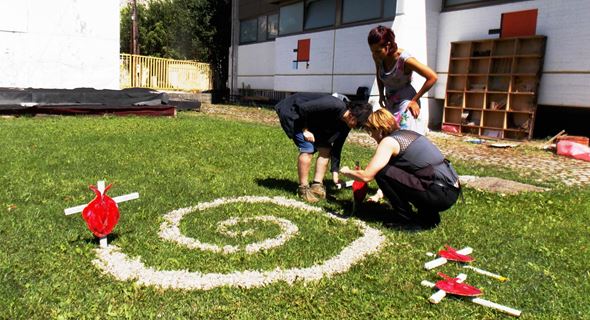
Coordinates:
541	241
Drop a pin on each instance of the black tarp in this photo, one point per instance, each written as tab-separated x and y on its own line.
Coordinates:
89	101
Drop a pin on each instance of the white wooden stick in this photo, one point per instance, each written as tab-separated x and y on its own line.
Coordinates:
346	184
487	273
440	294
440	261
118	199
483	302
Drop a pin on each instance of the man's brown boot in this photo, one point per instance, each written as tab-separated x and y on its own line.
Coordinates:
304	192
318	189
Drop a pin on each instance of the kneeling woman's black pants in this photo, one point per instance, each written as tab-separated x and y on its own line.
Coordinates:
436	198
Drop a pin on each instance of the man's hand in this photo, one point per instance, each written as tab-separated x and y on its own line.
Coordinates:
382	101
308	136
335	177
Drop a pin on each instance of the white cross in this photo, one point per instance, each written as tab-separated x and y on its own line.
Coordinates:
440	294
101	186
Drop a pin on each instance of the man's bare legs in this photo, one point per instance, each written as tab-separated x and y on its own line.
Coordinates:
321	164
303	167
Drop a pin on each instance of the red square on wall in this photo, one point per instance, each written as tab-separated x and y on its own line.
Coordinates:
519	23
303	49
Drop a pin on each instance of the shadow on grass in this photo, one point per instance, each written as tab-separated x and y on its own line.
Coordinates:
280	184
367	211
96	241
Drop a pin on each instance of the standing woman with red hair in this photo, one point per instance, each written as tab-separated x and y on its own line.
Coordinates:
394	68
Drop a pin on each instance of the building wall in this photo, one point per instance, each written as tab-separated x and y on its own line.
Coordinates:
59	43
566	70
340	60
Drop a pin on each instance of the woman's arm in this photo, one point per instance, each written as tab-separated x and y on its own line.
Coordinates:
387	148
431	78
380	87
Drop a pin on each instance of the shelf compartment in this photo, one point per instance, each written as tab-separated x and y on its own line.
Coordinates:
530	65
494	120
477	83
470	130
459	66
479	66
482	48
452	116
474	100
519	121
496	101
519	102
456	82
460	49
499	83
471	118
454	99
531	46
524	84
504	47
501	65
492	133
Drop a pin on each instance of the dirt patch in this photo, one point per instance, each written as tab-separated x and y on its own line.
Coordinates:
497	185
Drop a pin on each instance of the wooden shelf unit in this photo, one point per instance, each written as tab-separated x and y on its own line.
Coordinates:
492	87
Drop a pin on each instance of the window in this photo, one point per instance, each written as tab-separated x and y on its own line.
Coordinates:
291	18
273	26
467	4
262	28
389	8
248	30
354	10
320	13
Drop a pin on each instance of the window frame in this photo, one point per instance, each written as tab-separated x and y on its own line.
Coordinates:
338	20
474	4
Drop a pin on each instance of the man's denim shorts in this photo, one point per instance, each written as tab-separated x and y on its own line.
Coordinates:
304	146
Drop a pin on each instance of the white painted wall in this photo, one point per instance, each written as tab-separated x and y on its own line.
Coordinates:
567	27
59	43
256	65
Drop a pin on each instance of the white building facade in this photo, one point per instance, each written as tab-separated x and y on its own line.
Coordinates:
59	44
266	44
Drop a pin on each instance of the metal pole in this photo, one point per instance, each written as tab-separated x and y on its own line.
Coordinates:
134	30
235	42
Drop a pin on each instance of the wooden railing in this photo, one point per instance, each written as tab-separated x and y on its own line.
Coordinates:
164	74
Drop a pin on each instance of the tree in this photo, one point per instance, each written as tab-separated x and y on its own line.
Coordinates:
183	29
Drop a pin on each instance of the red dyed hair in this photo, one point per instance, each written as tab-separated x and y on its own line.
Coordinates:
383	35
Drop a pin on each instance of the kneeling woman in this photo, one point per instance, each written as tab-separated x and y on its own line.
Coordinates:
409	169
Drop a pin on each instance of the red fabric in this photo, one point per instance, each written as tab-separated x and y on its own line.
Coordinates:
453	286
573	150
101	214
451	254
359	189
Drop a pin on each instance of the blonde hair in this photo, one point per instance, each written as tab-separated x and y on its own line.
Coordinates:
382	122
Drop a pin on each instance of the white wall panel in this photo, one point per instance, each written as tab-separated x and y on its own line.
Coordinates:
311	83
257	59
63	44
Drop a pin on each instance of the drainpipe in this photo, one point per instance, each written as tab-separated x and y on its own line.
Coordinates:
235	42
